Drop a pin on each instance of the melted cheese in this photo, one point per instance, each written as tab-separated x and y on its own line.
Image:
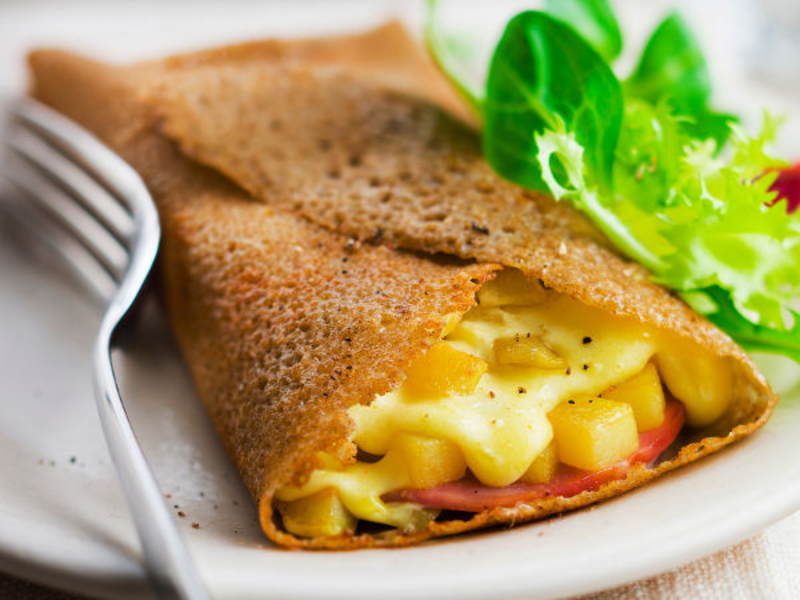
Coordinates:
360	487
501	427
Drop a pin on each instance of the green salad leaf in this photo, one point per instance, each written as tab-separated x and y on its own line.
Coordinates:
710	124
648	156
673	68
750	336
543	75
455	56
455	53
592	19
675	185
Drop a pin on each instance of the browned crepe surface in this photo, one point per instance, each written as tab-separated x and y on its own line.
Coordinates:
368	216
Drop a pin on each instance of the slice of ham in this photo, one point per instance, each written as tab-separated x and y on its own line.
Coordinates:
469	495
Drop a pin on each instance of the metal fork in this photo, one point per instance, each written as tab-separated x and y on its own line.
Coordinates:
93	209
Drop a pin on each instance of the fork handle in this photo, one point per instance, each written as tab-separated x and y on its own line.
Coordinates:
166	558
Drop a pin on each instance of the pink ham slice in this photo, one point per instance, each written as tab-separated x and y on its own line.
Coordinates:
469	495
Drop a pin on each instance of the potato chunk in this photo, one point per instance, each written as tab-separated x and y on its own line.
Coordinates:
527	350
700	380
593	433
321	514
543	468
429	462
444	371
509	288
645	395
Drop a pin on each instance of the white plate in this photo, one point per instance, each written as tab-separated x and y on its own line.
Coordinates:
63	520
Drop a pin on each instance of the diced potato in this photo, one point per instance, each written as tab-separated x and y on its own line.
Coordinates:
645	395
321	514
527	350
593	433
509	288
429	462
701	381
443	371
451	321
478	332
543	468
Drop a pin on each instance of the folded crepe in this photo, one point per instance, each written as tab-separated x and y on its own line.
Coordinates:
393	343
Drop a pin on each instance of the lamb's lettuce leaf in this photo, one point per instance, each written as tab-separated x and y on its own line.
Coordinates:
455	55
542	75
594	20
673	68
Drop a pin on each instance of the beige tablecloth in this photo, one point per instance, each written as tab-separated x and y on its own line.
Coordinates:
765	566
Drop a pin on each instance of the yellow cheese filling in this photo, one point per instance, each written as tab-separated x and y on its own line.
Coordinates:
485	399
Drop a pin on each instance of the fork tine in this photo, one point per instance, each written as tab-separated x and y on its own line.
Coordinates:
84	228
33	222
86	151
77	182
